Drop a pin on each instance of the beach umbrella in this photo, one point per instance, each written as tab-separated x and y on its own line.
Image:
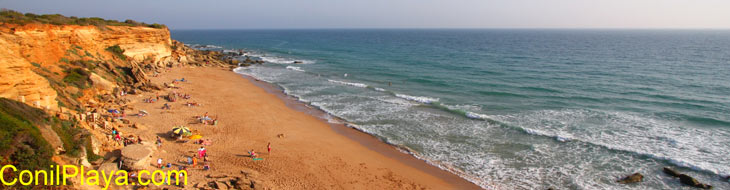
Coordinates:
180	130
195	137
143	111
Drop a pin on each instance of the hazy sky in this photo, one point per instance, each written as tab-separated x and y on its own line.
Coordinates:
233	14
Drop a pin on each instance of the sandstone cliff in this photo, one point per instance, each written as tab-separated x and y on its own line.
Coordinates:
53	49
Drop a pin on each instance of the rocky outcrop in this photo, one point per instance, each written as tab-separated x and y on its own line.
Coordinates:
136	156
18	81
101	83
686	179
633	178
671	172
53	48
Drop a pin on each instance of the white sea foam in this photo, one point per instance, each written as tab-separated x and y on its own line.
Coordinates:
641	135
623	132
204	47
284	60
421	99
295	68
361	85
476	115
331	119
379	89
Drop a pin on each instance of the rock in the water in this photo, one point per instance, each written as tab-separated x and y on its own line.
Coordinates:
633	178
689	180
136	156
671	172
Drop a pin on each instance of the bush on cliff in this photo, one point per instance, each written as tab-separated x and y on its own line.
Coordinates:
77	77
10	16
21	143
117	51
70	135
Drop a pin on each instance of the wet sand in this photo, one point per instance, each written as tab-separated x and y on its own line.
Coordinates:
312	154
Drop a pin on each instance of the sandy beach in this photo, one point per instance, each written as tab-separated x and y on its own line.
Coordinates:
310	154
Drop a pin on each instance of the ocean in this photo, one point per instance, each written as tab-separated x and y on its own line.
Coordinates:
515	109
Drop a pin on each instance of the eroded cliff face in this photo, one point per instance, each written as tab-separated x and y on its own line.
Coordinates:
31	49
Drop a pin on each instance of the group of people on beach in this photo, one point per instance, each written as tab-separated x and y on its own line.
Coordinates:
192	161
131	139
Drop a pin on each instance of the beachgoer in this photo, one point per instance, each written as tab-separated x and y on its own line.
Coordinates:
159	141
253	154
268	147
201	152
190	161
195	161
206	166
159	163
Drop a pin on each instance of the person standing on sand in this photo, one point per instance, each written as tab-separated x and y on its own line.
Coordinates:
159	142
201	152
268	147
159	163
195	161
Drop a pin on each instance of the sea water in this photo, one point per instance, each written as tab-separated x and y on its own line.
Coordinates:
516	109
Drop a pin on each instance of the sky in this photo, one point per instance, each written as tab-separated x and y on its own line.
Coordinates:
297	14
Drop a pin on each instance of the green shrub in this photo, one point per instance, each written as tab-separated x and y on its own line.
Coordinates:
117	51
35	64
10	16
77	77
90	152
68	132
21	142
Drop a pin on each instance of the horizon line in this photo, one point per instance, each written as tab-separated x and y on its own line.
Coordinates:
455	28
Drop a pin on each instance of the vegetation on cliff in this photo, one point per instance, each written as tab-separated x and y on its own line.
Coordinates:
15	17
21	143
117	51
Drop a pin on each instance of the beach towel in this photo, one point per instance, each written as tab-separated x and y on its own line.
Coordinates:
258	159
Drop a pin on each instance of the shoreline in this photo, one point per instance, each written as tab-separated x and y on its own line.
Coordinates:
367	140
311	153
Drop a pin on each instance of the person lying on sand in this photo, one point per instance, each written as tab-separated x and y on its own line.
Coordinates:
252	154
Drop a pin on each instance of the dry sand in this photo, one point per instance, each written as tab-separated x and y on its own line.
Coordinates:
312	154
